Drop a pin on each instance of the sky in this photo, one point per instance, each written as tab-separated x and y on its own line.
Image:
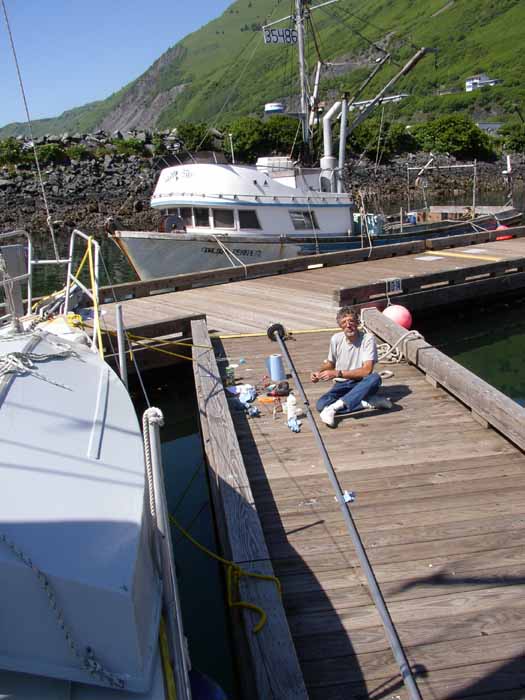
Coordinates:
72	52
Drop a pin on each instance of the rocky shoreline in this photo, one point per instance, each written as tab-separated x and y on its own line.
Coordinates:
85	193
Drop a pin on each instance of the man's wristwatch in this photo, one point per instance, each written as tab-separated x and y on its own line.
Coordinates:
339	374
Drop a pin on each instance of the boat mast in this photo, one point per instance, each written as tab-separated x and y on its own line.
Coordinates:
300	16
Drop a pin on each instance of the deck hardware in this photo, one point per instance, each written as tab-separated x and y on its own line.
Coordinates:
393	286
349	496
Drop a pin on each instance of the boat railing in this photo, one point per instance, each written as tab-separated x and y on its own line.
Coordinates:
291	199
15	281
92	254
27	277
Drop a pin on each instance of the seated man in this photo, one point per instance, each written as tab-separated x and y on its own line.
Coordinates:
350	363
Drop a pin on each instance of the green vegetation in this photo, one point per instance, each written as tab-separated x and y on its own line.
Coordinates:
513	137
456	135
224	71
78	152
11	152
129	147
195	137
52	153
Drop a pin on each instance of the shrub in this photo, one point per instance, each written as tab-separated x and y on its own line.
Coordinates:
130	147
195	136
52	153
513	136
282	132
11	152
454	134
78	152
250	138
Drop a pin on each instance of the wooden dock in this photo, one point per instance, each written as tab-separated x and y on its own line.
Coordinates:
439	483
440	509
308	298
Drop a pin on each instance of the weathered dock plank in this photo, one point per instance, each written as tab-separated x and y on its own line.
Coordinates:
441	510
249	305
272	655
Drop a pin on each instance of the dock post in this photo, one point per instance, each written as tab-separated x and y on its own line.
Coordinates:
277	333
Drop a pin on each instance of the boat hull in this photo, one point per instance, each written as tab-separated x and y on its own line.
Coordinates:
155	254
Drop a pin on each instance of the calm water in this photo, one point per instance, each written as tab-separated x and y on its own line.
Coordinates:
200	578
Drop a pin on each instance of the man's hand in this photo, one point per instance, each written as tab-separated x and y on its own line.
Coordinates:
327	374
314	377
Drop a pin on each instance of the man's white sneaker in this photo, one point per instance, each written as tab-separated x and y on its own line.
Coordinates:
377	402
327	415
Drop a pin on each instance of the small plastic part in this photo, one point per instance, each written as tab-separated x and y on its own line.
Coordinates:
349	496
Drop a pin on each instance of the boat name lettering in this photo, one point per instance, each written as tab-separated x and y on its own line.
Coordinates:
177	174
245	252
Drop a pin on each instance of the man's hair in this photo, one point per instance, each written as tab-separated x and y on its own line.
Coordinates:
347	311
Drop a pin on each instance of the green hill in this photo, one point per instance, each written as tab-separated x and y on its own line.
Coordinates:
225	70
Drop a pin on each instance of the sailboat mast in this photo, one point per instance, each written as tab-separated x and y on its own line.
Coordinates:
305	105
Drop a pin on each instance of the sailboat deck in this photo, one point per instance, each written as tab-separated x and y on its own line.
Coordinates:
439	505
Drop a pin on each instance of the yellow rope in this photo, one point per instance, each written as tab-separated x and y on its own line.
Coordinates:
264	334
60	291
169	679
95	296
234	573
138	338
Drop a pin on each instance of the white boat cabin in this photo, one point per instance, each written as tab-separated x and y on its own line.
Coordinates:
270	198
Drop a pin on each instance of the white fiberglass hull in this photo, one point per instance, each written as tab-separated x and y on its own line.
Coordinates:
153	254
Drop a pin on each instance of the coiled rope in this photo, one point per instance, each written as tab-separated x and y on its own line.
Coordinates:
234	573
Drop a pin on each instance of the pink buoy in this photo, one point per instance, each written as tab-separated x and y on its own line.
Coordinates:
501	227
399	314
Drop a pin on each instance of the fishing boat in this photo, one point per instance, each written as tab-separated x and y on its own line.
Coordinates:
89	606
215	215
220	215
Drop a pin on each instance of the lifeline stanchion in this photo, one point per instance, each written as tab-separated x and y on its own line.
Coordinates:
121	346
277	333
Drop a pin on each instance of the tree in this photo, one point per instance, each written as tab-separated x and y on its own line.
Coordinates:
195	136
456	135
11	152
250	138
394	139
282	133
514	137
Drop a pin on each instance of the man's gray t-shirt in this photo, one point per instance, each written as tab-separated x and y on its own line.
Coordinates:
347	355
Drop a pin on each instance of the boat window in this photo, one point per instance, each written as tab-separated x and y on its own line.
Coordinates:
223	218
303	220
248	219
202	217
185	212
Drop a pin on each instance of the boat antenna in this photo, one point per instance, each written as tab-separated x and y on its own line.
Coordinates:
30	127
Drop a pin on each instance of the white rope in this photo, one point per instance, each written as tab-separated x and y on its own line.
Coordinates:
30	127
392	354
23	363
87	658
230	255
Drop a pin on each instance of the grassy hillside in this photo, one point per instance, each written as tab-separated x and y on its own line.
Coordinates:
228	71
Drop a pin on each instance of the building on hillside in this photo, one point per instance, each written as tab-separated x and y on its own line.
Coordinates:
491	128
391	98
475	82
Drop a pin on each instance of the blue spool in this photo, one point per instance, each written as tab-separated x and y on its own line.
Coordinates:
275	368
